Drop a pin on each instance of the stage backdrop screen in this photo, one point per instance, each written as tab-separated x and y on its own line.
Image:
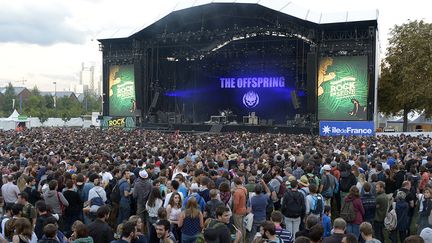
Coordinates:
342	88
121	90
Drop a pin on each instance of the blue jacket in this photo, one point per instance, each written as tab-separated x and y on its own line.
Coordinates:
199	200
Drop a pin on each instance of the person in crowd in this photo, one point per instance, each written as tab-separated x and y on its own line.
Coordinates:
74	211
315	202
29	210
369	202
218	231
311	221
212	204
191	221
174	189
140	237
174	210
354	197
316	233
163	232
141	193
239	205
81	234
286	236
425	209
326	221
125	193
99	229
49	234
366	232
258	207
23	231
154	203
127	234
55	200
382	204
9	191
293	208
339	227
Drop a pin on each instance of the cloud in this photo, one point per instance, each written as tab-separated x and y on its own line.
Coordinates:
38	22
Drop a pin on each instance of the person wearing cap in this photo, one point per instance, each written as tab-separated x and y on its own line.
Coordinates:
141	192
194	193
328	185
426	234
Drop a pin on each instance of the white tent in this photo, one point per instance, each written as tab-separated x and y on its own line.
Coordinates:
12	121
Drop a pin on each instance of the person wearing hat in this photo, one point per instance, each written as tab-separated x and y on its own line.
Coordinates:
401	207
303	185
141	193
426	234
329	184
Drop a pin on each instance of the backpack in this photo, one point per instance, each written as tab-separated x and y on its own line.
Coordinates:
312	179
329	189
115	195
390	220
97	201
347	211
282	189
293	205
318	207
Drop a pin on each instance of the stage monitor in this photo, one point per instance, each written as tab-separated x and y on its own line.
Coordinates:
342	88
122	101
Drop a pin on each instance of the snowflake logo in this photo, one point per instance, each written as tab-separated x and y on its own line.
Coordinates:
326	129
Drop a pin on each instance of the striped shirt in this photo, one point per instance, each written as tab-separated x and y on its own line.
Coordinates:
284	235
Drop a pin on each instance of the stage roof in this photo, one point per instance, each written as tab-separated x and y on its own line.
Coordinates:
189	16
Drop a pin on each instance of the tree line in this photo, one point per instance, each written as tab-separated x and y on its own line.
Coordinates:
45	106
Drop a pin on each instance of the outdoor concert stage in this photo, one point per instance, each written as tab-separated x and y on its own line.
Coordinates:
238	60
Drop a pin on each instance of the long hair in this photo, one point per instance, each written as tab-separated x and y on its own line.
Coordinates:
154	194
192	208
354	192
134	219
171	201
23	227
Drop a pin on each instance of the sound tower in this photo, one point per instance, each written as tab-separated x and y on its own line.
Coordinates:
311	68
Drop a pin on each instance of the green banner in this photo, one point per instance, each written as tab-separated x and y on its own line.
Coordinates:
122	100
125	122
342	88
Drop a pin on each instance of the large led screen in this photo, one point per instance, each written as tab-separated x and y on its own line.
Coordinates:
121	90
342	88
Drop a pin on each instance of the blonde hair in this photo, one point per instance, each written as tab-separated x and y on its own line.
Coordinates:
192	208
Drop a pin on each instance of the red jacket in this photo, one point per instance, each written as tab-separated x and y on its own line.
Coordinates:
358	208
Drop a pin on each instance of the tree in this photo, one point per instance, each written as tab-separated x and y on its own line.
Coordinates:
9	96
406	72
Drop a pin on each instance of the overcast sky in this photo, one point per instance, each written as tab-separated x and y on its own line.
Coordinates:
47	40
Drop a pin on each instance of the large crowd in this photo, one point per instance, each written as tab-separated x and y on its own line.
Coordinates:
111	185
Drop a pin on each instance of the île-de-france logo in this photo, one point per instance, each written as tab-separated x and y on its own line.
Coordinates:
250	99
326	130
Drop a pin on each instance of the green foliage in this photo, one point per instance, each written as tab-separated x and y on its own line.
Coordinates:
406	72
8	98
43	106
